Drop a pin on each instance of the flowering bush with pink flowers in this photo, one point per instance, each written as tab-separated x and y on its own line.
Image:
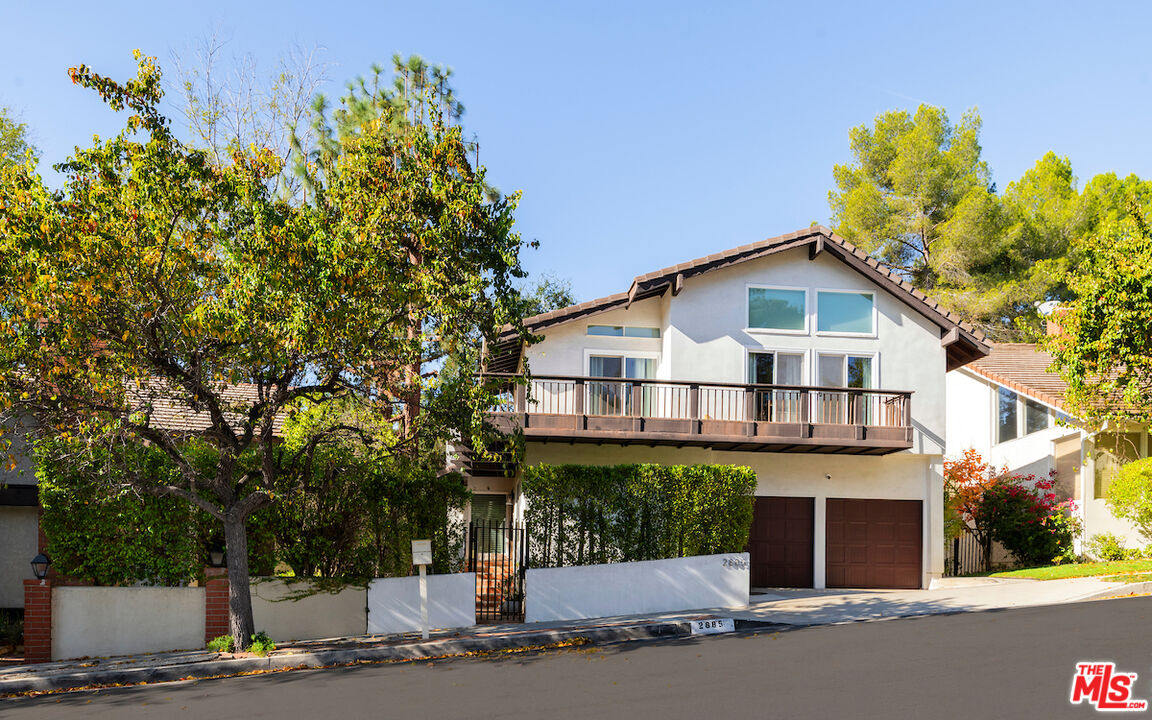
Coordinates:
1021	512
1027	520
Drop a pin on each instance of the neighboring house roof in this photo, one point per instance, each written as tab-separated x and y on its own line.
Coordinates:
964	342
172	414
1023	367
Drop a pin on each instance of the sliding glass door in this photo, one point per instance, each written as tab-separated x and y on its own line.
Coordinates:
776	368
843	371
607	397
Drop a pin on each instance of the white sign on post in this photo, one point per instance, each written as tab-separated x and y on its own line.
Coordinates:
422	556
421	552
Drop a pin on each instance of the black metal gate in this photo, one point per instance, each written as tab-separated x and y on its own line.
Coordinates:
966	556
498	554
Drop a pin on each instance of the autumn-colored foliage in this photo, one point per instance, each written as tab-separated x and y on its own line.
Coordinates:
1022	512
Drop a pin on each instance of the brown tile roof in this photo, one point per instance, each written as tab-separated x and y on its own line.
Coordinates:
966	342
1023	367
171	412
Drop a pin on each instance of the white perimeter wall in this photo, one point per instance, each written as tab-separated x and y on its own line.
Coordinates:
590	591
394	603
320	615
99	621
900	476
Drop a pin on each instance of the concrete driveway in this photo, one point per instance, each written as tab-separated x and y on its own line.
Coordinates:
822	607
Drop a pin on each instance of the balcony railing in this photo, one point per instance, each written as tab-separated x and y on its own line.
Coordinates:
699	413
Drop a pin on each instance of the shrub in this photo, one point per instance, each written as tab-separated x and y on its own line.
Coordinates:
586	514
224	643
261	644
1025	519
1129	495
1106	546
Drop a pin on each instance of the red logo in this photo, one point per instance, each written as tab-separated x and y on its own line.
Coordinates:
1101	685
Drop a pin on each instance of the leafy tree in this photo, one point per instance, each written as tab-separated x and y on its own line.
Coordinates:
967	483
445	240
159	283
1105	351
549	293
1129	495
14	143
916	191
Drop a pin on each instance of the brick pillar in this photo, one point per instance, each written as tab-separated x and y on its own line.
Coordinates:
215	603
37	621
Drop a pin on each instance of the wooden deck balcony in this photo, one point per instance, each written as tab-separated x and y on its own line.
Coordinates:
722	416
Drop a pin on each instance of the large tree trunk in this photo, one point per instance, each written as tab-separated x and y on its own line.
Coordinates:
240	623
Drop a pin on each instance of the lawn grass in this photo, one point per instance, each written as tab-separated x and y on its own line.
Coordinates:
1095	569
1131	578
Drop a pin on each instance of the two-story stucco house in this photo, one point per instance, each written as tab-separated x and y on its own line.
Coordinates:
1010	408
798	356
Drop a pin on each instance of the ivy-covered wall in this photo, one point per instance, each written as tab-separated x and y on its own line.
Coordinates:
587	514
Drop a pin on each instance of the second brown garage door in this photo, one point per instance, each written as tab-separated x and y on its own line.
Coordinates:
873	543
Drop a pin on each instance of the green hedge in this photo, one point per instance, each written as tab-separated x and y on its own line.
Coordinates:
103	532
587	514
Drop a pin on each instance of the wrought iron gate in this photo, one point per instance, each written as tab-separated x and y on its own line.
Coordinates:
498	554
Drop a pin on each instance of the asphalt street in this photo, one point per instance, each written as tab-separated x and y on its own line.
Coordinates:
998	664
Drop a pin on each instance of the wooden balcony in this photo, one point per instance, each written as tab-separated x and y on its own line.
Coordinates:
722	416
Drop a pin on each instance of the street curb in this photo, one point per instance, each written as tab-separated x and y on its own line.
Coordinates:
1119	591
388	653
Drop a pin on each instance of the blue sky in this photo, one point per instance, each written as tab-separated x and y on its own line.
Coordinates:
647	134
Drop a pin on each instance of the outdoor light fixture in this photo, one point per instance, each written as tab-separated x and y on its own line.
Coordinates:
40	565
216	558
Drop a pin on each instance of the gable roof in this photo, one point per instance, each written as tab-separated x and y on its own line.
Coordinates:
1023	367
964	342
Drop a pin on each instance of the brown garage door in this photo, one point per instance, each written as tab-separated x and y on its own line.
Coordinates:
780	544
873	543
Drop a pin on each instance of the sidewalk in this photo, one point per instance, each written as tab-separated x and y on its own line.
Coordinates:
768	608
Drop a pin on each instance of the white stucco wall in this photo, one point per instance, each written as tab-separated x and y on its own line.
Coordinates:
591	591
972	424
394	603
1095	513
100	621
18	545
900	476
321	615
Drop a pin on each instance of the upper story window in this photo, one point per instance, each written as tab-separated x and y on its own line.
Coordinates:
850	313
776	308
1019	416
624	331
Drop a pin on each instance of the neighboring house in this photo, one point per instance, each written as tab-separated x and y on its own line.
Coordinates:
800	357
19	524
20	537
1011	409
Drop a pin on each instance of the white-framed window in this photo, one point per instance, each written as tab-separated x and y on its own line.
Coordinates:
624	331
1017	416
777	367
777	309
846	312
